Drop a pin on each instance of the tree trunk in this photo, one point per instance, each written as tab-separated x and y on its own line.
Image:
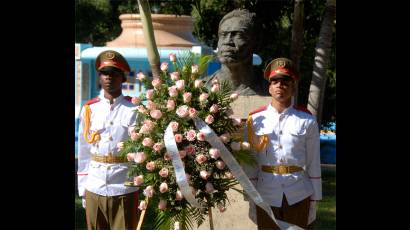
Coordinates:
152	51
297	39
322	57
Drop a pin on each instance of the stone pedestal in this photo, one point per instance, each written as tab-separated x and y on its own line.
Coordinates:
234	217
236	214
246	104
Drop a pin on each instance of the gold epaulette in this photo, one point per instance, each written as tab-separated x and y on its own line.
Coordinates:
95	136
263	140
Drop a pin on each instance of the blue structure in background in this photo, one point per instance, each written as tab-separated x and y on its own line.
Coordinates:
328	144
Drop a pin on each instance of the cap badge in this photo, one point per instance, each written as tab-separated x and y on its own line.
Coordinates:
110	55
281	63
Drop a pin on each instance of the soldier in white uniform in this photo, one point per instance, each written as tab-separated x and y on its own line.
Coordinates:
285	141
105	121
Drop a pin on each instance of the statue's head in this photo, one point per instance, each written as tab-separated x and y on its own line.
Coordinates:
236	36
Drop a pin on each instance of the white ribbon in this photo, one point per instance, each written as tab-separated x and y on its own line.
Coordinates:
182	182
239	174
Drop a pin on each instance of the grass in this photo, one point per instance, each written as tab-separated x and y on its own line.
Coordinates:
326	213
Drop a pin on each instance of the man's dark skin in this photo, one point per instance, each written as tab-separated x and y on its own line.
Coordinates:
235	52
111	80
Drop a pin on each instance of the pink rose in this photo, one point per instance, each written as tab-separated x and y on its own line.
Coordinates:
157	147
177	225
167	156
135	100
180	84
209	119
130	156
178	138
120	146
138	180
149	124
151	105
204	174
198	83
157	83
164	66
215	81
156	114
221	208
215	88
150	166
172	91
193	190
135	136
178	195
162	205
182	111
236	121
192	112
214	108
182	153
220	164
214	153
209	188
163	187
201	158
194	69
190	135
144	129
174	126
141	76
163	172
143	205
234	96
139	157
229	112
147	142
187	97
174	76
172	57
170	105
245	145
228	175
236	146
148	191
190	149
225	137
150	94
141	109
203	97
200	136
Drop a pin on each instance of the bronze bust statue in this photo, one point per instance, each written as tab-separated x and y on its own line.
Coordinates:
236	42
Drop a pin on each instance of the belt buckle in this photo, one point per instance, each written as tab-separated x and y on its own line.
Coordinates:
282	169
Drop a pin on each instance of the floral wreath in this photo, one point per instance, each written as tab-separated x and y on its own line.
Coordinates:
175	98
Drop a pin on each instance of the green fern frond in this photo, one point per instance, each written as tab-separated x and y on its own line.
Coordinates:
244	157
163	221
203	63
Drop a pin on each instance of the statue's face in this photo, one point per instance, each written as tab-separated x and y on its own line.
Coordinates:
234	44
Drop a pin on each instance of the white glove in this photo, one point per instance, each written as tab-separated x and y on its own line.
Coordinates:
312	212
252	212
83	201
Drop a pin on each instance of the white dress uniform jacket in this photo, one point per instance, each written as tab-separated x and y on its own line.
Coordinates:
112	122
293	140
